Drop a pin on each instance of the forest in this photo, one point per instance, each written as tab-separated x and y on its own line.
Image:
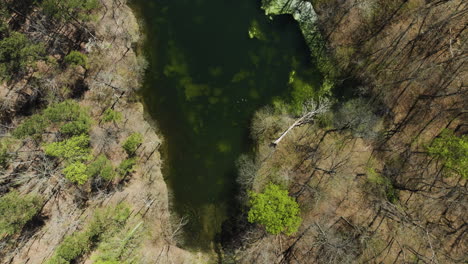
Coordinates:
366	163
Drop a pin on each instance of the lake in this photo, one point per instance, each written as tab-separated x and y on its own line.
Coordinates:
212	64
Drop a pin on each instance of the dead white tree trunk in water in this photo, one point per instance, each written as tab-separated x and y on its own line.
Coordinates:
311	109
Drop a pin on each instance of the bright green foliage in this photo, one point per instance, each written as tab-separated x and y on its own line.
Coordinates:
104	222
69	9
73	149
17	53
101	167
132	143
76	58
126	166
275	210
111	115
16	210
76	172
452	150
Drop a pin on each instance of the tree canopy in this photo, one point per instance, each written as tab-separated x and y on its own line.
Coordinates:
73	149
452	150
275	210
132	143
16	210
17	53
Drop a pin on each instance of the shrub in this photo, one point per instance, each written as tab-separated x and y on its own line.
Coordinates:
16	210
111	115
76	58
275	210
132	143
101	167
76	172
126	166
73	149
452	150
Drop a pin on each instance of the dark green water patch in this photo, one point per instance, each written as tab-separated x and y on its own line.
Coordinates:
212	63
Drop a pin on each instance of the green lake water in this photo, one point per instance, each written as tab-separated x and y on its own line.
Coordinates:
212	64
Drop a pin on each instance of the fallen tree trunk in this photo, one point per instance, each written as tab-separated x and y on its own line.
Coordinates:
295	124
305	118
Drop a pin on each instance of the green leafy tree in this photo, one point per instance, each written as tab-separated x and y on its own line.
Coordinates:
76	173
111	115
33	126
127	166
275	210
132	143
74	118
452	150
76	58
78	127
16	210
73	149
17	53
101	167
73	246
65	111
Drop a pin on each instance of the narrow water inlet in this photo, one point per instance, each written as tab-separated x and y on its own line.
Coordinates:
212	64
